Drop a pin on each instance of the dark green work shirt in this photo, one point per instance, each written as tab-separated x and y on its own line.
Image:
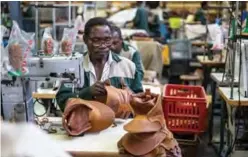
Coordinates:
141	19
132	54
119	67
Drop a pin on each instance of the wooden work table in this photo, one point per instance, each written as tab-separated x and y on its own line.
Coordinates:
44	94
217	77
128	32
51	94
199	43
230	108
206	61
100	144
225	93
217	81
207	67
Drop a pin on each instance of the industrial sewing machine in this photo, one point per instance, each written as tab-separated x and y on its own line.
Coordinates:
44	73
50	69
49	72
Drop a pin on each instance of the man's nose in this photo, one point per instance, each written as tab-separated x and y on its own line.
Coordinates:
112	47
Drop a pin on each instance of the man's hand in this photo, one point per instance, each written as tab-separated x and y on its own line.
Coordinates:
124	111
98	89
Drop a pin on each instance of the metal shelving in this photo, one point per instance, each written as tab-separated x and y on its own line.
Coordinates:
55	24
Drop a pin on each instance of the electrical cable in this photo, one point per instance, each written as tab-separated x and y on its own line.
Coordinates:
37	100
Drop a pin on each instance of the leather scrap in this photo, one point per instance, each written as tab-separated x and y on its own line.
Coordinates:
82	116
147	134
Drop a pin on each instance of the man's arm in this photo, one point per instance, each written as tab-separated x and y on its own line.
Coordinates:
65	93
136	86
136	19
136	59
139	73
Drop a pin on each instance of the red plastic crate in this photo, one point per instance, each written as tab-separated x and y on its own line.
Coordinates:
185	108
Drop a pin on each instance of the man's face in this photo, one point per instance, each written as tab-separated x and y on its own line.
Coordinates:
117	43
99	41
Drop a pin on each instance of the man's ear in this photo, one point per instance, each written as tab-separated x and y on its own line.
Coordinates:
85	39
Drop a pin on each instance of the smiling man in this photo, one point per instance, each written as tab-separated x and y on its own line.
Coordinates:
99	65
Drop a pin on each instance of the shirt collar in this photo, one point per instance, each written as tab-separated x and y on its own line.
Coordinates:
88	66
125	46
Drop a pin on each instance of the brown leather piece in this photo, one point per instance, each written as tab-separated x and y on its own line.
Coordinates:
147	134
148	113
132	142
165	147
118	100
82	116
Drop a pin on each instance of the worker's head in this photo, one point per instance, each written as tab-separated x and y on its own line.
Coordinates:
204	5
117	40
152	4
98	37
139	3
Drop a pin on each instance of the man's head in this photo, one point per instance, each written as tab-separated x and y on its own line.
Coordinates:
98	37
117	40
204	5
139	3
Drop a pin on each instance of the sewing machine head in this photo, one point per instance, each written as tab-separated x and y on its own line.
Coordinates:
50	69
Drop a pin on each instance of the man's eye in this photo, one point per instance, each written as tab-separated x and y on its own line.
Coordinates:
95	40
108	39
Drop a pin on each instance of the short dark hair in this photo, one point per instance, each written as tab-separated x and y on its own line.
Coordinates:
204	3
152	4
94	22
139	2
118	30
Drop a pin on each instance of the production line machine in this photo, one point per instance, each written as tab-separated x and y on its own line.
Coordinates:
44	73
48	70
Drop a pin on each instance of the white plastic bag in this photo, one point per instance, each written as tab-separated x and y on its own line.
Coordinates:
48	43
79	23
19	49
68	41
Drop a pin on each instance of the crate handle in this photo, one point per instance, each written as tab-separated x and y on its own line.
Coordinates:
183	90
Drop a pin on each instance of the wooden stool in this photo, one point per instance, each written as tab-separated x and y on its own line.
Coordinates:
188	78
196	76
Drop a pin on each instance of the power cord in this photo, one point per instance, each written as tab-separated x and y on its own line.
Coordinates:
37	100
